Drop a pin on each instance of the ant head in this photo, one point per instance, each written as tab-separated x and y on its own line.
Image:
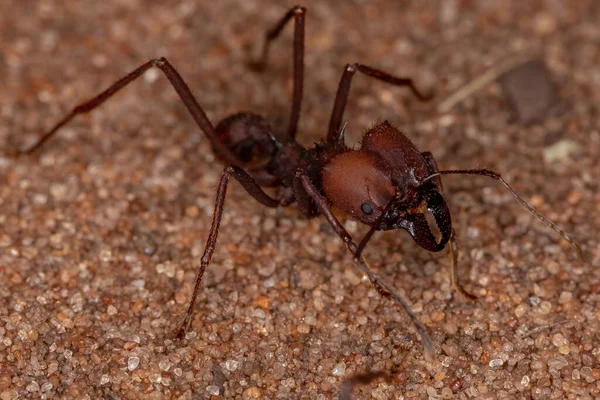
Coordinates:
381	186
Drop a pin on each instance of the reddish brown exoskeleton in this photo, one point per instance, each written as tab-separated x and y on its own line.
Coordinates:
386	184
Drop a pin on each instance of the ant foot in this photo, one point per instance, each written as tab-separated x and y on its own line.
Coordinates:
183	328
14	148
380	289
471	298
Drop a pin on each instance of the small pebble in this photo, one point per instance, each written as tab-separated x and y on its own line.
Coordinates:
8	395
339	369
557	363
231	365
33	387
559	151
530	90
46	387
253	392
566	349
587	374
145	244
559	340
521	310
104	379
278	371
565	297
263	302
545	307
212	389
545	23
303	328
129	345
132	363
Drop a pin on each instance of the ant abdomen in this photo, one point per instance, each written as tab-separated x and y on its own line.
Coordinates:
249	137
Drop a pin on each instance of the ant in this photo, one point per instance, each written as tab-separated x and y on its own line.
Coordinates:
386	184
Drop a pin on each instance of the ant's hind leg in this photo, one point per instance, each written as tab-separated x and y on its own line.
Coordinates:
257	193
298	13
182	89
341	97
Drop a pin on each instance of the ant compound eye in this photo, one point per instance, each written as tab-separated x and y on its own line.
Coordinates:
366	208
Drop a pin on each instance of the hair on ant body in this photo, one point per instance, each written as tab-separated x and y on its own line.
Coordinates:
386	184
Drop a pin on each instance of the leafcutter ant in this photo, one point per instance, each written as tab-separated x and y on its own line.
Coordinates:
386	184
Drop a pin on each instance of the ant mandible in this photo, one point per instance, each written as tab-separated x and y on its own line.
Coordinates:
386	184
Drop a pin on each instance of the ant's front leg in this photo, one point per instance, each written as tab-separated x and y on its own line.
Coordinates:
180	87
381	285
298	13
257	193
341	97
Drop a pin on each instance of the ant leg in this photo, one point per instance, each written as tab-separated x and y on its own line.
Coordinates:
496	176
341	97
380	285
255	191
298	14
453	242
453	252
180	87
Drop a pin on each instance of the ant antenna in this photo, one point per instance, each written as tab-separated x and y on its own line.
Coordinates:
532	211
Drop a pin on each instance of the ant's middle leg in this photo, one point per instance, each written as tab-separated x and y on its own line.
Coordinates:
341	97
180	87
298	13
257	193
